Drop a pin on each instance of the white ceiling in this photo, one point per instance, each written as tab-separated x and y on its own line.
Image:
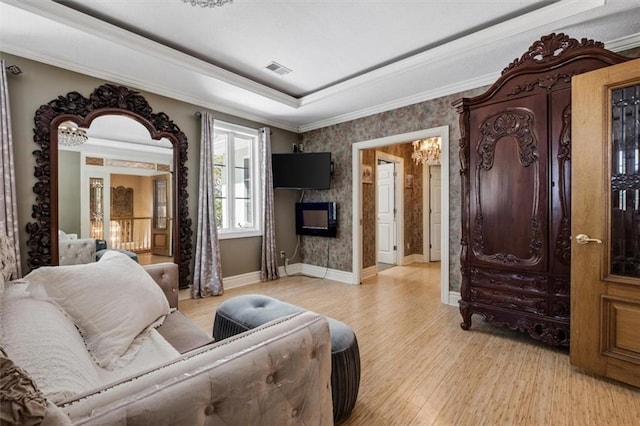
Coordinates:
349	58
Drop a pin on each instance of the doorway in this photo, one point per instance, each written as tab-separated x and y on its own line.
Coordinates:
356	148
389	212
127	208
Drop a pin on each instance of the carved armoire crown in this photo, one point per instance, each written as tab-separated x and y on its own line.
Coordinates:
515	156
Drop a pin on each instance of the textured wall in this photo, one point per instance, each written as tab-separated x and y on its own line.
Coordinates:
339	138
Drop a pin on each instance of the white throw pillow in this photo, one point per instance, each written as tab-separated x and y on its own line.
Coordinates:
111	301
40	338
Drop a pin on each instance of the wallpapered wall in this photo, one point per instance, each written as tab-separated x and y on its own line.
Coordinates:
339	138
412	205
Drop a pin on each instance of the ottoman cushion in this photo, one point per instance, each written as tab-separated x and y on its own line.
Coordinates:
243	313
252	310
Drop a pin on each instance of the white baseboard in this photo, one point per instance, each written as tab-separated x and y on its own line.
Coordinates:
297	268
319	272
254	277
330	274
413	258
292	269
454	297
241	280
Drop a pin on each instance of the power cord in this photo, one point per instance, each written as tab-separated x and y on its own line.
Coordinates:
326	271
286	259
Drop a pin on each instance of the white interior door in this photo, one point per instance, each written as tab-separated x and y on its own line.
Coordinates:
435	213
385	202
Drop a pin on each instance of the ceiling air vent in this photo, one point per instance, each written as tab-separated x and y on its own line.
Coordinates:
278	69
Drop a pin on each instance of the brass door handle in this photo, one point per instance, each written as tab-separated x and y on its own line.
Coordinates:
584	239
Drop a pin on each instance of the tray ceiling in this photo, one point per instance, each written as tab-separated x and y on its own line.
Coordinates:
348	59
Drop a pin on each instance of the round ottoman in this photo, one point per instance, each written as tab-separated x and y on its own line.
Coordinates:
243	313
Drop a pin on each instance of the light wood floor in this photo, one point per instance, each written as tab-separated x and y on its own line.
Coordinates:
148	258
420	368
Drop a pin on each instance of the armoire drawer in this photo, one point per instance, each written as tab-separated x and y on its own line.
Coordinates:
510	281
509	300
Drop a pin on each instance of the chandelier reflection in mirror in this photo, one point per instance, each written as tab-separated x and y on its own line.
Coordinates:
70	135
208	3
427	151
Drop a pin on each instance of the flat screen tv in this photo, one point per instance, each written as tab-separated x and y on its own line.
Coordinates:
319	219
301	170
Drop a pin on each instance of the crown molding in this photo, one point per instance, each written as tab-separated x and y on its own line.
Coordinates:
451	89
624	43
146	85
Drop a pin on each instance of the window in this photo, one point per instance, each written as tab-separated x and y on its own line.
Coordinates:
237	180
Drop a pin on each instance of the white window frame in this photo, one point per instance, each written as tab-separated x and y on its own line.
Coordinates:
231	130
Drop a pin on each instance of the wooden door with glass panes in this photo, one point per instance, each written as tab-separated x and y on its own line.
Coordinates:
605	249
161	226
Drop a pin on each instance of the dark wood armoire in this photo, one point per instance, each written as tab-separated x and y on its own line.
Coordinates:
515	156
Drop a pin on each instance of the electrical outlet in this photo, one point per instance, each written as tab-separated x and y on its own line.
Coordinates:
282	255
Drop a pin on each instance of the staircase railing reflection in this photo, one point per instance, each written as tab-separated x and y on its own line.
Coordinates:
131	234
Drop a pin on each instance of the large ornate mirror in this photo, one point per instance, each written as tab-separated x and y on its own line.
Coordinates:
168	222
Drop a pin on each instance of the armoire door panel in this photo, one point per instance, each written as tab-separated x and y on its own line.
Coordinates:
560	163
509	182
502	232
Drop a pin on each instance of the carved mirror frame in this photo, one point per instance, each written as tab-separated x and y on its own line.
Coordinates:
107	99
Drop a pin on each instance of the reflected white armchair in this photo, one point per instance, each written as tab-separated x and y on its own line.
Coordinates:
75	251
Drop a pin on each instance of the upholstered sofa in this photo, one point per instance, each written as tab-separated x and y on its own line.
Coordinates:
55	366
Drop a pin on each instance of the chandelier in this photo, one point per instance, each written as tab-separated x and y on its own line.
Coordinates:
70	135
208	3
427	151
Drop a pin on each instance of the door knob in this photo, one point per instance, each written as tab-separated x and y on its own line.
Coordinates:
584	239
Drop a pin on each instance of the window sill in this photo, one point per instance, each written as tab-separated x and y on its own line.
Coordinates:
238	234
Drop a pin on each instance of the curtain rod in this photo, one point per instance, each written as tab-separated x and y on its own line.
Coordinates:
199	115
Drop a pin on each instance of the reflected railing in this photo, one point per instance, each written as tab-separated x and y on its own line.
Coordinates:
132	234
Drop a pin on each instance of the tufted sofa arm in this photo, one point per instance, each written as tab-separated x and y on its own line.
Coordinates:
276	374
166	275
